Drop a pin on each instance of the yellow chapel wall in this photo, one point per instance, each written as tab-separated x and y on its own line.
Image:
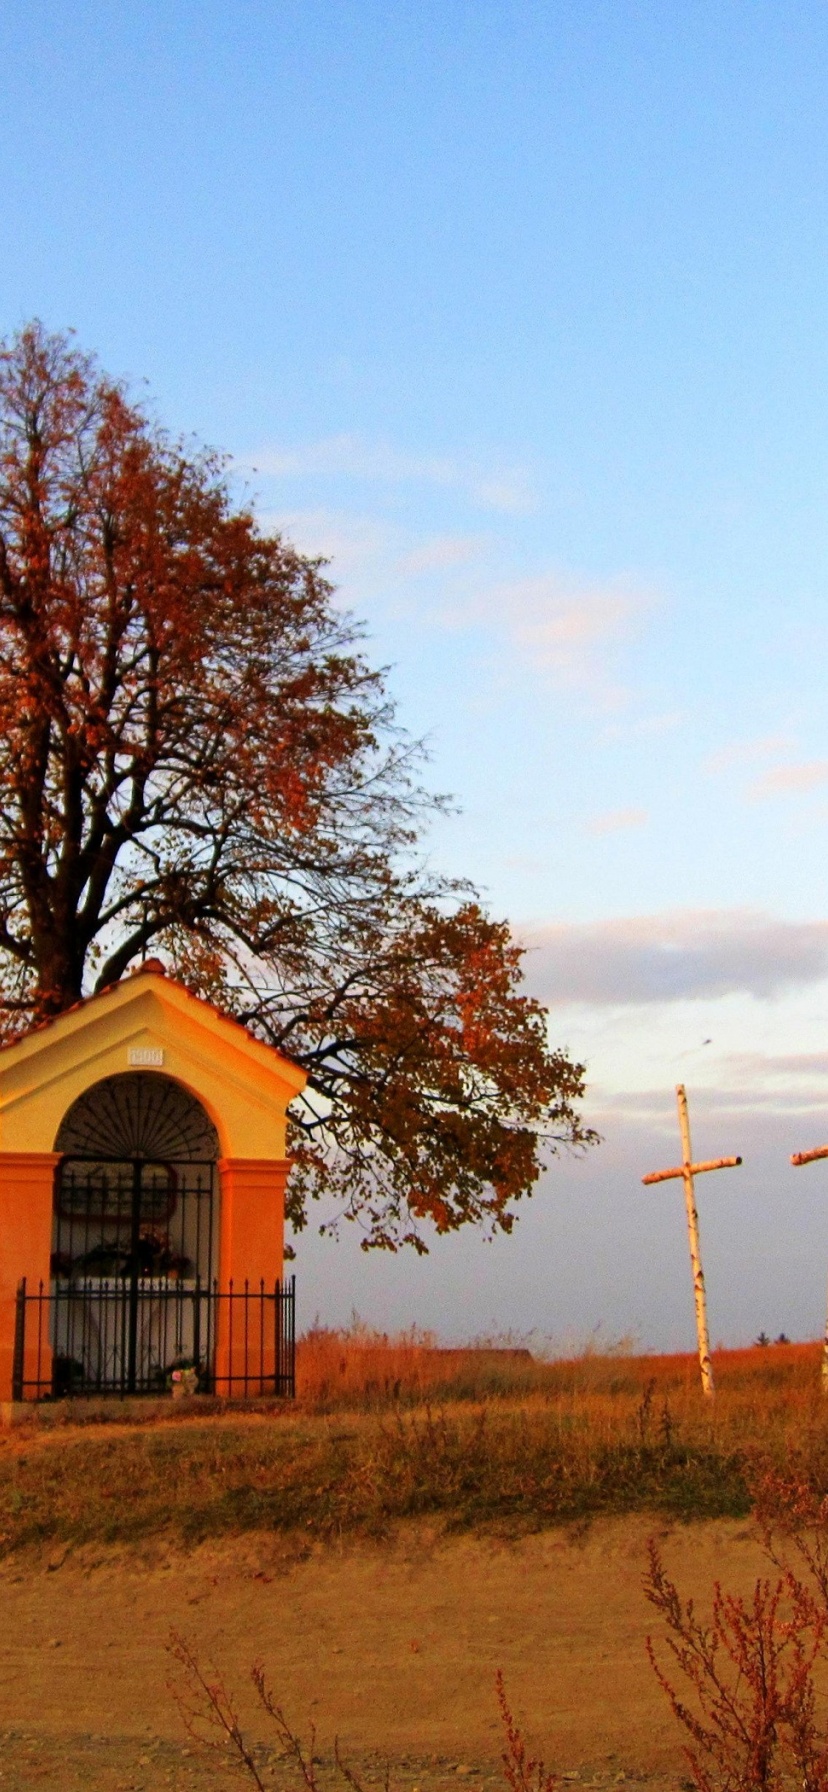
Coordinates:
245	1095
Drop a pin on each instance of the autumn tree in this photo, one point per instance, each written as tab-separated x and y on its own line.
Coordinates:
197	760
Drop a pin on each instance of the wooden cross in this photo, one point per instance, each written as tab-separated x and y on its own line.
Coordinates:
810	1157
687	1170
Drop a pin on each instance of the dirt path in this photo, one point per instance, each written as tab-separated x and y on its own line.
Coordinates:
394	1648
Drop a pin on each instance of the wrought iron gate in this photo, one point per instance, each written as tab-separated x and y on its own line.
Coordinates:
134	1252
134	1296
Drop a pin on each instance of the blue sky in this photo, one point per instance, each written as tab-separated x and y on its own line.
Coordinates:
520	312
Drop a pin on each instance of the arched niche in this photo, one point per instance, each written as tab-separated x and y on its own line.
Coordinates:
139	1113
136	1193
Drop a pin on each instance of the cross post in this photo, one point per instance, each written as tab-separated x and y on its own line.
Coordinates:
687	1170
810	1157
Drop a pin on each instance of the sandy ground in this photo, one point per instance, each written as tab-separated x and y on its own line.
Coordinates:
391	1647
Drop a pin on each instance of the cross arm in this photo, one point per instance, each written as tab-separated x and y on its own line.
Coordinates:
714	1163
809	1157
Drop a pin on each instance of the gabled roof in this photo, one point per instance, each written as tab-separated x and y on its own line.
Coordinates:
148	1021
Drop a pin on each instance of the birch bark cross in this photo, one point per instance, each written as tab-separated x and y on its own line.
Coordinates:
687	1170
810	1157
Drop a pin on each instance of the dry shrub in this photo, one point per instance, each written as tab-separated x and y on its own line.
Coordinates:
521	1771
791	1510
752	1720
210	1716
751	1703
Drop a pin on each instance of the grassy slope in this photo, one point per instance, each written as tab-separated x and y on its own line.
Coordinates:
474	1440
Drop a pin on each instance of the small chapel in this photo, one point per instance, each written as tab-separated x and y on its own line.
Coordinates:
142	1193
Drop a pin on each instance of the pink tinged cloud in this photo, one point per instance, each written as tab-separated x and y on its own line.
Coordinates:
787	780
675	956
739	753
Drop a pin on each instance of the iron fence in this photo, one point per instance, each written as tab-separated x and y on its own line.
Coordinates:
105	1335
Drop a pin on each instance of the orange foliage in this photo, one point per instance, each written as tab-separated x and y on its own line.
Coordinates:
196	756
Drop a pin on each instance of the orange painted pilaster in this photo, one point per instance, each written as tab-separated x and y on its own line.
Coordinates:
26	1205
251	1250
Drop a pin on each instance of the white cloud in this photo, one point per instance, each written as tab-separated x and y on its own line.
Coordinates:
507	489
786	1066
560	626
568	630
674	956
370	550
439	553
352	543
616	821
643	727
658	1105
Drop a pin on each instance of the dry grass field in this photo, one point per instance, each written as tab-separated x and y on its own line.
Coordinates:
383	1433
415	1521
